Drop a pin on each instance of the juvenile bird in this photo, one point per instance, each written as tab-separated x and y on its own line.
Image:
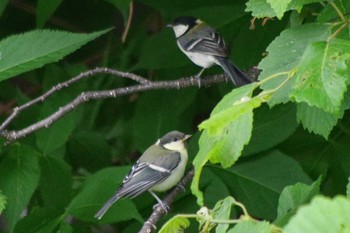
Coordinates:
205	47
159	169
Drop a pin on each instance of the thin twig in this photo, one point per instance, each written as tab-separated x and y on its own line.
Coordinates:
66	84
150	225
93	95
128	23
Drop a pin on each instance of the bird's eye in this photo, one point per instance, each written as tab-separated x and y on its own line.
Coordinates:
175	139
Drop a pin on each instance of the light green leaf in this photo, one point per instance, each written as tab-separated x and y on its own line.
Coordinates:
19	177
248	226
322	75
96	190
272	8
176	224
222	211
44	10
321	216
292	197
224	148
348	188
279	6
316	120
285	53
31	50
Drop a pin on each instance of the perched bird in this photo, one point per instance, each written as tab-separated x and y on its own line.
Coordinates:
159	169
205	47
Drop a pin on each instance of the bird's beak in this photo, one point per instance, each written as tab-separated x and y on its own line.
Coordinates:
186	137
169	25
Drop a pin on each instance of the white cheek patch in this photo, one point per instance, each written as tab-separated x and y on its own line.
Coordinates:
180	30
177	146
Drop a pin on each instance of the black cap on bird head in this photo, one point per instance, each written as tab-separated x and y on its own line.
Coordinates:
173	136
185	20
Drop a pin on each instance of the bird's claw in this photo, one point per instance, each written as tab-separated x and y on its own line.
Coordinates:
181	186
164	207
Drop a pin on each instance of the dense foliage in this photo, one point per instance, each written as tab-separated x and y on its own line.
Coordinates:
271	156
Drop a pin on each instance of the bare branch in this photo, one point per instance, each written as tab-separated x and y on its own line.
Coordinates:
66	84
144	85
150	225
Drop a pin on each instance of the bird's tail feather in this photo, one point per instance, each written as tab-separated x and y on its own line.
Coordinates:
106	206
236	75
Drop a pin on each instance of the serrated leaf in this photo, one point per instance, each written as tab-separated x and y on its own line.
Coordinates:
225	147
176	224
316	120
248	226
96	190
293	43
322	215
262	8
279	6
222	211
31	50
44	10
292	197
19	177
257	186
321	78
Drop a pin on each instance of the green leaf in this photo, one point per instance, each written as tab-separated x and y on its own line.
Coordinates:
57	134
224	148
55	183
44	10
122	6
149	120
276	124
249	226
3	5
175	224
293	43
322	215
322	75
96	190
19	177
31	50
316	120
222	211
3	201
259	181
292	197
348	188
279	6
272	8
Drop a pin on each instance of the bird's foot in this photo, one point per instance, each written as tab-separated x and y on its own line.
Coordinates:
164	206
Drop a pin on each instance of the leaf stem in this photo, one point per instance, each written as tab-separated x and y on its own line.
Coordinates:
341	15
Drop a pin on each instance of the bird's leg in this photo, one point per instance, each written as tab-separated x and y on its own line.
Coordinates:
198	76
164	206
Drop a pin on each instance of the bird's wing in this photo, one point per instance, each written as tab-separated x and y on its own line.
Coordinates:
212	44
144	176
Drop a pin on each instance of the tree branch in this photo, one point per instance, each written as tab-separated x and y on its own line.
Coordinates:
150	225
144	85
